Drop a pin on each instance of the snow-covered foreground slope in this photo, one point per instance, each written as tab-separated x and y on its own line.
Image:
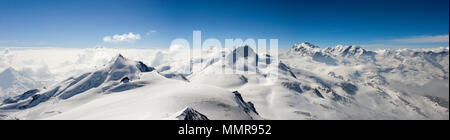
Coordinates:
126	89
342	82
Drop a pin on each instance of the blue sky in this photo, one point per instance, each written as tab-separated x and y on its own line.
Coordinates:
155	23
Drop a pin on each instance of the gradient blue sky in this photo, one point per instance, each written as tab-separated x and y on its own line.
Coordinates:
84	23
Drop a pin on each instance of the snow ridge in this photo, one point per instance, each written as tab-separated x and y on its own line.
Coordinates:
13	82
109	78
189	113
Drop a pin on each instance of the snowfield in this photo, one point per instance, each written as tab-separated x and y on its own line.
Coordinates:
305	82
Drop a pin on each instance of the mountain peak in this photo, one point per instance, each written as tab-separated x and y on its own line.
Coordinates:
341	48
119	57
189	113
247	106
118	62
10	73
305	45
244	51
305	48
309	44
10	70
15	81
351	50
6	51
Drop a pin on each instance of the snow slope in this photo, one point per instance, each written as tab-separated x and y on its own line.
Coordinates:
146	94
13	83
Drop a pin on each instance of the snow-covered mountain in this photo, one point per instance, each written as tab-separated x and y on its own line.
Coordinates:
189	114
400	81
126	89
13	82
342	82
305	48
349	51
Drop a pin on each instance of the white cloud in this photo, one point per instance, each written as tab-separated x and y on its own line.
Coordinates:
176	47
130	37
398	46
424	39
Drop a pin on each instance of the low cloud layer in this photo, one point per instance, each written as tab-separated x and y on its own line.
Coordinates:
130	37
424	39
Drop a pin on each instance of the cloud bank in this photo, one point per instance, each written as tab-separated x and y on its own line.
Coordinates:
424	39
130	37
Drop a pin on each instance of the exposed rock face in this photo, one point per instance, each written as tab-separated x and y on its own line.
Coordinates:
189	114
317	54
349	51
294	86
144	68
439	101
20	97
247	106
349	88
244	58
305	48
